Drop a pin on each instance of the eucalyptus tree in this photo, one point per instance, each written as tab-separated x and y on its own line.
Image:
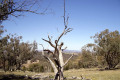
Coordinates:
3	52
13	51
108	45
88	56
3	46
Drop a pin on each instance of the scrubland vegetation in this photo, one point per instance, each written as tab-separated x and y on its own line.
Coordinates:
88	73
94	74
96	61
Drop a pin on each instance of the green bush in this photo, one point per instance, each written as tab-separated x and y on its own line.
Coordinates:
23	68
36	67
67	67
87	60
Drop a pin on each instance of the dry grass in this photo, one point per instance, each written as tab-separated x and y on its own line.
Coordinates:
28	73
93	74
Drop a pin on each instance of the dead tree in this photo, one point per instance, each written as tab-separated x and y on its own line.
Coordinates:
57	55
57	61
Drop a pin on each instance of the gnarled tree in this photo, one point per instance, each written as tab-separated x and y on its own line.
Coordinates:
57	61
57	55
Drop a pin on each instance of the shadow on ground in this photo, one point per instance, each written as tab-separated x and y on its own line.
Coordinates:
15	77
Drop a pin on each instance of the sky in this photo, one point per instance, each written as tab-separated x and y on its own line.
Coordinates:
86	17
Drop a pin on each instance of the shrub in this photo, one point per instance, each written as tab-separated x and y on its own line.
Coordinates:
87	60
23	68
36	67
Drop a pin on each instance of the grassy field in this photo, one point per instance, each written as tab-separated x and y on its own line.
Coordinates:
93	74
24	73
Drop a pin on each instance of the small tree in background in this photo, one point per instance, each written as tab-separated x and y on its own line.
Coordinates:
88	57
13	52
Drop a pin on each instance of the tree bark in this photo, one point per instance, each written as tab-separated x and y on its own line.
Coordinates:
61	59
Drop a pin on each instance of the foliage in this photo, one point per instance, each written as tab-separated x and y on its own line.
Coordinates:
71	65
109	46
36	67
13	52
87	60
101	61
23	68
15	7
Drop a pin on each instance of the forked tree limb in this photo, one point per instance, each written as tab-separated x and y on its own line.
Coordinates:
61	35
66	30
49	42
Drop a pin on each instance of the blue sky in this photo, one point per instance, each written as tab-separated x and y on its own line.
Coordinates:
87	17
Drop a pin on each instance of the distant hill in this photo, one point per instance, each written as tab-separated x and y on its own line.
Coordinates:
71	51
66	55
68	51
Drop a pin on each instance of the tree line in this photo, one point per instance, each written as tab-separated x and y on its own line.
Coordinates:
13	52
103	53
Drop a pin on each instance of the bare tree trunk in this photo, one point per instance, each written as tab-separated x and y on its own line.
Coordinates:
51	62
59	75
61	59
58	63
53	66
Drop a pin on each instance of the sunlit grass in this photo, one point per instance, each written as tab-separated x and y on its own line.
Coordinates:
92	73
28	73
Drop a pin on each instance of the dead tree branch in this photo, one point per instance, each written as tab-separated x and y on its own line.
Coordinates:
68	60
49	42
49	51
10	7
58	51
51	62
